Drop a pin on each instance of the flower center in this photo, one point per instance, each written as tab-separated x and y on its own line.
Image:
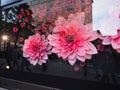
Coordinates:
69	38
37	48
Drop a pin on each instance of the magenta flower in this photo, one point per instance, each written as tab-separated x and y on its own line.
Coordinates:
22	24
19	16
22	11
26	20
21	39
71	39
28	26
36	49
15	29
113	40
76	68
43	29
28	12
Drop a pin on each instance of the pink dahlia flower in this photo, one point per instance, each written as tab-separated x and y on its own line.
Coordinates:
36	49
113	40
71	39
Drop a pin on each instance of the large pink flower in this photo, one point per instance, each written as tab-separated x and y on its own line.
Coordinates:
71	38
113	40
36	49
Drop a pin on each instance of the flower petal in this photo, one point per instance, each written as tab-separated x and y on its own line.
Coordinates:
92	49
72	61
115	44
81	58
107	40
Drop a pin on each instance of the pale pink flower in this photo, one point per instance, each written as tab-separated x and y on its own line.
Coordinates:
71	39
36	49
113	40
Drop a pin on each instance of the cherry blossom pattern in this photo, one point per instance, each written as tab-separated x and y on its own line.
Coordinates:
36	49
71	39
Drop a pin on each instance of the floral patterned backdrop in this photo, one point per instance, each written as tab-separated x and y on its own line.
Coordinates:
50	9
19	24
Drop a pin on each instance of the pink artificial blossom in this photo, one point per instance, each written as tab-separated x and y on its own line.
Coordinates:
71	39
28	26
19	16
22	24
76	68
22	11
113	40
21	39
43	29
26	20
36	49
15	29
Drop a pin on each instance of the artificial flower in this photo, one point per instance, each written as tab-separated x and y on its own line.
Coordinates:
19	16
36	49
22	24
22	11
76	68
43	29
28	12
21	39
113	40
26	20
15	29
28	26
71	39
